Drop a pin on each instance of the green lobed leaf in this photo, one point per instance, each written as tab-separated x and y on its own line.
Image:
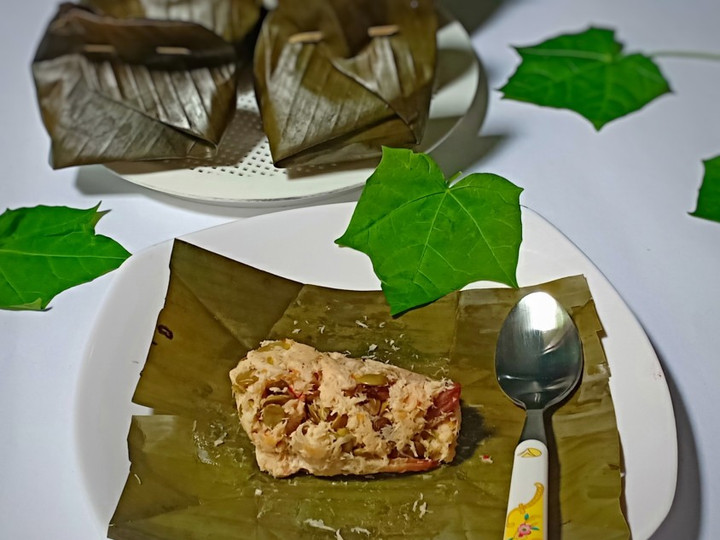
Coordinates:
45	250
427	238
586	73
708	202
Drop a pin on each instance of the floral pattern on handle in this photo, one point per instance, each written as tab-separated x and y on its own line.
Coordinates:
525	521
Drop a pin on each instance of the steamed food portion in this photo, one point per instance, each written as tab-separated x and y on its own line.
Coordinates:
336	80
120	89
149	80
328	414
193	472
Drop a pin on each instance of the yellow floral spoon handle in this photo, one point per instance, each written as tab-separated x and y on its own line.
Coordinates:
527	503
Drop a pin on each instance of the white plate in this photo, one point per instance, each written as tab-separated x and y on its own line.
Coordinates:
280	243
243	174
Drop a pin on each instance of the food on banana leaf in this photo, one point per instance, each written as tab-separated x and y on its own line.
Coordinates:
335	80
328	414
193	471
232	20
117	89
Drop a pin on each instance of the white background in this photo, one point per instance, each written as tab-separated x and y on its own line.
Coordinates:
622	195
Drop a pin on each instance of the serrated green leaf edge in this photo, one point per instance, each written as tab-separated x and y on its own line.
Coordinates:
708	201
612	55
61	221
398	196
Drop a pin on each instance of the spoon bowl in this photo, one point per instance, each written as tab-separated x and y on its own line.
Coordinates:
539	354
538	362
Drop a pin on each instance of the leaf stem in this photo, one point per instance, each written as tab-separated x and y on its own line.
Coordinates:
454	177
697	55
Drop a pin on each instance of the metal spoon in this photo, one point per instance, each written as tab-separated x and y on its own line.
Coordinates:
538	361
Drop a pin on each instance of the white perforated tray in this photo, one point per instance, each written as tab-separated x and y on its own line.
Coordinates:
243	174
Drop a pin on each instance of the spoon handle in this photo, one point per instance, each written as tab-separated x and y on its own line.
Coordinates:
527	503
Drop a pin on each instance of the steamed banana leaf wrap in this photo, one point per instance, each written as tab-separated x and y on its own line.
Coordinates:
193	473
132	89
233	20
337	79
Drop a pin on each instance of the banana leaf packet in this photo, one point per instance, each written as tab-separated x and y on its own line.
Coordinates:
236	21
337	79
113	89
193	473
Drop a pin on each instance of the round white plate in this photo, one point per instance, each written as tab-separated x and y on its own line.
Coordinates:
243	174
299	244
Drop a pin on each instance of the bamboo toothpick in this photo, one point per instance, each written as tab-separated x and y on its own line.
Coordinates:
160	49
315	36
98	48
182	51
306	37
386	30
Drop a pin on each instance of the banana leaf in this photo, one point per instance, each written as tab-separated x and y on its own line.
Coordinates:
337	79
193	472
232	20
112	89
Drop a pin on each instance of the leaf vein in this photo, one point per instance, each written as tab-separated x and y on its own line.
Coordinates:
482	235
569	53
59	255
10	283
431	228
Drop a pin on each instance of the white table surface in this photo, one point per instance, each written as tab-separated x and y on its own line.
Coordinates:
621	195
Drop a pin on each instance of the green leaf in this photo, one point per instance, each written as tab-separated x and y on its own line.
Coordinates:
708	203
586	73
47	249
427	238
